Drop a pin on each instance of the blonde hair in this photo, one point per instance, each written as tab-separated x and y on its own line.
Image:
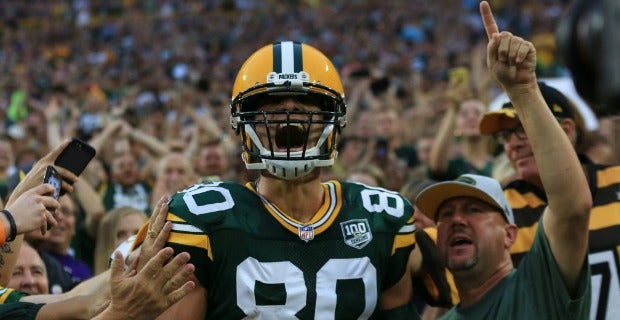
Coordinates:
106	235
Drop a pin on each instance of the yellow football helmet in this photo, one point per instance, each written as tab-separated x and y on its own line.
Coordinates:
288	70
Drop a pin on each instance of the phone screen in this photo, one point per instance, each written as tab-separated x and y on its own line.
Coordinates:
53	177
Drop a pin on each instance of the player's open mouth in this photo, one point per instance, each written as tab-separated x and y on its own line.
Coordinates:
289	136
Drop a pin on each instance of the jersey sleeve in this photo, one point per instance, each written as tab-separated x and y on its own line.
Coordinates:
19	310
185	237
193	213
404	242
8	295
435	283
397	215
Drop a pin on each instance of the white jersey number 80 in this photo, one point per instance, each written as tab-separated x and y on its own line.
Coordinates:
285	272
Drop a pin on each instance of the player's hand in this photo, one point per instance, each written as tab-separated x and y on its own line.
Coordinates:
31	210
510	59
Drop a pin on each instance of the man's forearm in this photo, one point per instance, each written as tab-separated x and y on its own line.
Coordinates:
8	256
560	170
91	202
80	307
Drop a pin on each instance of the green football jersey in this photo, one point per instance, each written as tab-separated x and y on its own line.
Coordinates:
255	261
8	295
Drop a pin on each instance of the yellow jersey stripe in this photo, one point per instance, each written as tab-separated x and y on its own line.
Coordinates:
331	207
605	216
518	200
140	236
192	240
6	292
608	176
174	218
405	236
145	227
525	238
402	241
600	217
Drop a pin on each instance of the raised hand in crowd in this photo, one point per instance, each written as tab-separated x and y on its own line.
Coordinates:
32	210
512	62
151	284
35	175
31	181
146	293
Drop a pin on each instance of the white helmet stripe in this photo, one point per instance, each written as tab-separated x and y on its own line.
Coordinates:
288	57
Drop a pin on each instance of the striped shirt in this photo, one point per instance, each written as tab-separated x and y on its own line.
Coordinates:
528	203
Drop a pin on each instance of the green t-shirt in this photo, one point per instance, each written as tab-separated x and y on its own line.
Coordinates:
533	291
255	261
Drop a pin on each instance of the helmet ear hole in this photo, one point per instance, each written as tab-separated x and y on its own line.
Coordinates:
328	104
250	103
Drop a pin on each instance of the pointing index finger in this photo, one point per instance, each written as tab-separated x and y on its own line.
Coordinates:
487	18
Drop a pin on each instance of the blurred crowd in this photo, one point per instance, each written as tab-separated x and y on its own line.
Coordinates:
148	83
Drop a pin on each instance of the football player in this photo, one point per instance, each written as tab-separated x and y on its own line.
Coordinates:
288	245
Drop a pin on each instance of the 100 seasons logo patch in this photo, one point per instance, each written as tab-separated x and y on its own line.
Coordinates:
356	233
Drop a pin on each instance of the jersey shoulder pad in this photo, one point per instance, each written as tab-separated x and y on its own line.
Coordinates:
209	203
389	205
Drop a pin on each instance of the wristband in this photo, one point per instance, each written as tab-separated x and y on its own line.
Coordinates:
2	234
9	217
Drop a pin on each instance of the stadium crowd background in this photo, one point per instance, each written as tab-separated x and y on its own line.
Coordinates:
158	55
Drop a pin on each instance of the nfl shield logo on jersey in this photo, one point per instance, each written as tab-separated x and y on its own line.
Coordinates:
356	233
306	233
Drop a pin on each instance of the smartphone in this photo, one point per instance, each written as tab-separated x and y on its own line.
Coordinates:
53	177
76	156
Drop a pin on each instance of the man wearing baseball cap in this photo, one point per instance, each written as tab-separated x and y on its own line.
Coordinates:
526	195
475	186
558	103
475	224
